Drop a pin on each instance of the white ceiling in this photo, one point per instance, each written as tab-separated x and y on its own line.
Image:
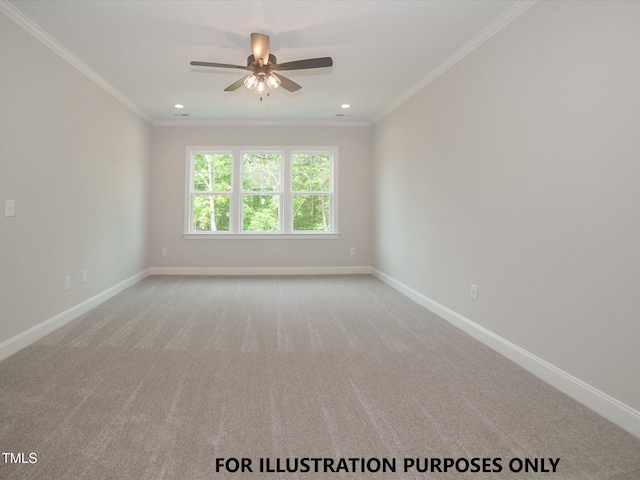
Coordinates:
381	50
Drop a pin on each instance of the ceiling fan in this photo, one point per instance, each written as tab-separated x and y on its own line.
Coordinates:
263	67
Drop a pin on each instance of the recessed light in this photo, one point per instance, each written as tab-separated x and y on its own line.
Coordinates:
177	105
345	105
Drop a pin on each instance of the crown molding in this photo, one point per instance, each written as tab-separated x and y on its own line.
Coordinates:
507	17
494	27
34	29
253	123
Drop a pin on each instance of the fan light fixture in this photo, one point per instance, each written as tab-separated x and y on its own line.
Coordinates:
261	81
261	85
273	81
251	81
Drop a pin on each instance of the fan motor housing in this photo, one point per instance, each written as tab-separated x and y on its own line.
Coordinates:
252	62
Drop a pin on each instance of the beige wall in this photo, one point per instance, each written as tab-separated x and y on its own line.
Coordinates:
518	170
76	161
515	170
168	199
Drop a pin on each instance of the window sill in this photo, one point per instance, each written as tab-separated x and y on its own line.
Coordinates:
261	236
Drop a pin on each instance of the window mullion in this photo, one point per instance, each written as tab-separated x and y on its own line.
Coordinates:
236	192
287	203
188	219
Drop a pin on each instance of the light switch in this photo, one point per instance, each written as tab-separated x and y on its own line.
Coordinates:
474	292
9	208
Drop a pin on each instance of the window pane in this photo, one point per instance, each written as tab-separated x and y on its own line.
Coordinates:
301	172
261	172
261	213
310	172
321	181
211	213
212	172
312	212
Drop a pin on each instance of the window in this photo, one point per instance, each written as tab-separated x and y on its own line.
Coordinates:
261	192
211	193
267	192
311	191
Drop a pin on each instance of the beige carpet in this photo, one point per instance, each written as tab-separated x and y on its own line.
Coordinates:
175	372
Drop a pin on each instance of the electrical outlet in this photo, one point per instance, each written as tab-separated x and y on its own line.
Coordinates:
67	283
9	208
352	251
85	277
474	292
164	252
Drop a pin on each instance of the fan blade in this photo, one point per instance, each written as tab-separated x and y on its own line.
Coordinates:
287	84
220	65
260	48
304	64
235	85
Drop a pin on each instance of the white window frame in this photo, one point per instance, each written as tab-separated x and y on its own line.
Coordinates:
237	194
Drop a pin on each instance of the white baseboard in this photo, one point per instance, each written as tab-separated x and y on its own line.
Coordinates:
613	410
11	346
607	406
260	270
